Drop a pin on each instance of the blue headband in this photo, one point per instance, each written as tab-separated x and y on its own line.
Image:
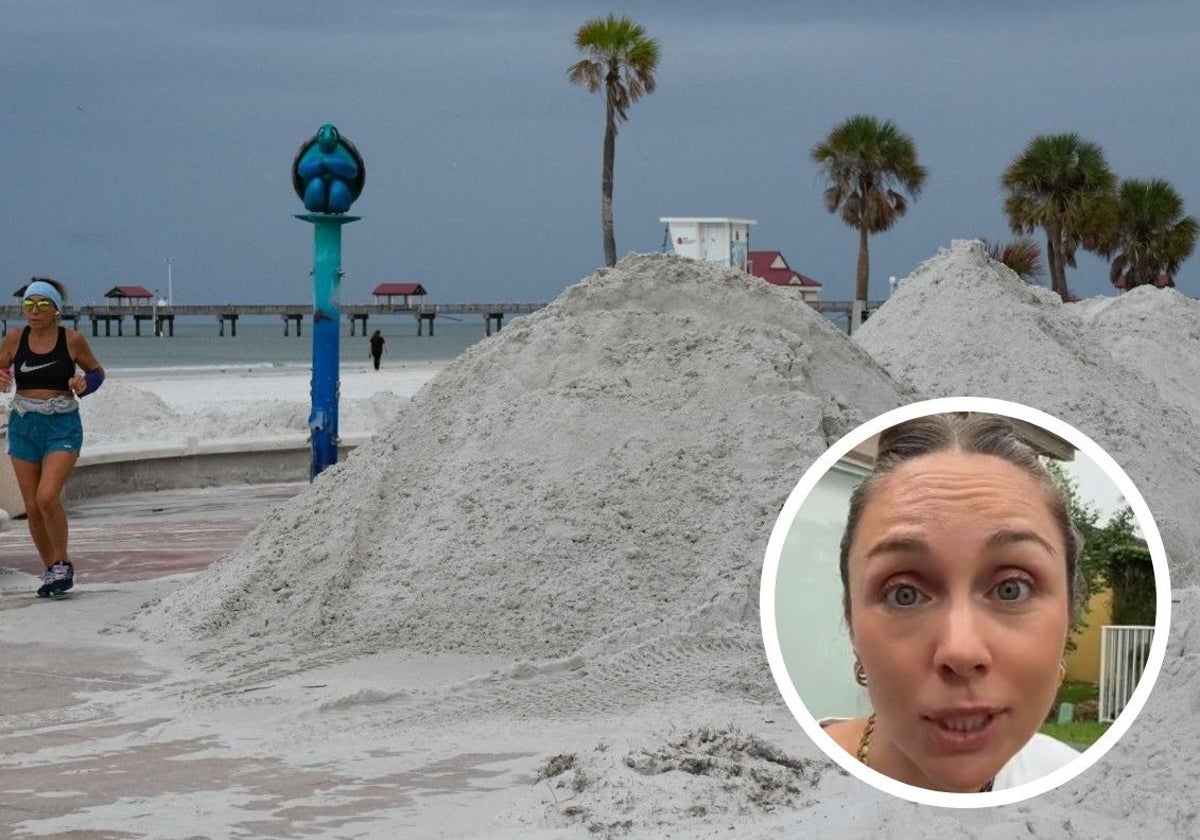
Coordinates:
41	287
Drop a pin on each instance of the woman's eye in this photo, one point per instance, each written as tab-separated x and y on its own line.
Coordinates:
1013	589
904	595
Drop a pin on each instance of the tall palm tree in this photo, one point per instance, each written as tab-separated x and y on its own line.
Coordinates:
1153	235
622	60
865	161
1061	184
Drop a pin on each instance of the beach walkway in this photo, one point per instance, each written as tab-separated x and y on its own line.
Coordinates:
104	735
139	536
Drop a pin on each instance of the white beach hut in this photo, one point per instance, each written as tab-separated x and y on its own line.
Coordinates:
720	241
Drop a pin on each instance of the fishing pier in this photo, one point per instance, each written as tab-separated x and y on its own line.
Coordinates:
160	319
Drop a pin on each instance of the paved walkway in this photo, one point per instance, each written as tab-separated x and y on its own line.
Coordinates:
104	736
139	536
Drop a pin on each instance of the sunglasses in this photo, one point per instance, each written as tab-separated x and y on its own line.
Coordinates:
40	305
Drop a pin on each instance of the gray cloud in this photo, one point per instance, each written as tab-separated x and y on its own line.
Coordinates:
138	131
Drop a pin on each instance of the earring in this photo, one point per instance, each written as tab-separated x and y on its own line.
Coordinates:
1062	672
860	673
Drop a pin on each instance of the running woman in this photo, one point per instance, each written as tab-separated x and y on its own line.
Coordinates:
44	431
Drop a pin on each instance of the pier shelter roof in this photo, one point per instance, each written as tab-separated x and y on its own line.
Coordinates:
398	289
131	292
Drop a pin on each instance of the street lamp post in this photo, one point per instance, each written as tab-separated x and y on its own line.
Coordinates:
170	292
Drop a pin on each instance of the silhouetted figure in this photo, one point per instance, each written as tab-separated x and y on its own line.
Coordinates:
377	343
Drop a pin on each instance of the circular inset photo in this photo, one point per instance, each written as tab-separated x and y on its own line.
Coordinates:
965	602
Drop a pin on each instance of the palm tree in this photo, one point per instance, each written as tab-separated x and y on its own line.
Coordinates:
1022	255
621	59
1153	235
865	160
1061	184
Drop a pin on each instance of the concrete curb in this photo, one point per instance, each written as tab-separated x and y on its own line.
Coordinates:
195	463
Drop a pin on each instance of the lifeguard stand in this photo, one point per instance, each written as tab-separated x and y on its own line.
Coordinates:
720	241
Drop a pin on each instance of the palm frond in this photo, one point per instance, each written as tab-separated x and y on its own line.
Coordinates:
1022	255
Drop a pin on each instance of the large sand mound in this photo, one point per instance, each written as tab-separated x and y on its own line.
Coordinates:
1154	333
604	472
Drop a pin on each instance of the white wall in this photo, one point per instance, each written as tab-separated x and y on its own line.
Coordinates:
808	602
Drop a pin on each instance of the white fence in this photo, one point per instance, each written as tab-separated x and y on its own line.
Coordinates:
1123	654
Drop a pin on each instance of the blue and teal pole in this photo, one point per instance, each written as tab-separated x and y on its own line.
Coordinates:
327	280
327	175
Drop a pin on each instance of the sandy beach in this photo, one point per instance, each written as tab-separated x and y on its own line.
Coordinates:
239	403
526	606
237	388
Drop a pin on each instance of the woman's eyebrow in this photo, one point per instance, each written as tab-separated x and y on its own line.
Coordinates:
1009	536
998	539
906	545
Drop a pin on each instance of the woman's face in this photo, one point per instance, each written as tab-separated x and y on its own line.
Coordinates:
958	594
42	311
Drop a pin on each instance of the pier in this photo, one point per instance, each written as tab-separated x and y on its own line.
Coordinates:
161	319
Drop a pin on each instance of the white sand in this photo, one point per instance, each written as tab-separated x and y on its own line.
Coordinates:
554	550
1154	333
600	476
168	409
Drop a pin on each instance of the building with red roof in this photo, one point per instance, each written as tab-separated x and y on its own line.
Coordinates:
772	267
1162	281
404	290
134	294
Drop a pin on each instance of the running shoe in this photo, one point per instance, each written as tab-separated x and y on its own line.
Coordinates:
62	577
43	591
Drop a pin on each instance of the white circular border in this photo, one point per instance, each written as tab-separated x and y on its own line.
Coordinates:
1145	521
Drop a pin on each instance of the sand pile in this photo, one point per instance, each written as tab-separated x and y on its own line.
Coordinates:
603	472
1154	333
963	325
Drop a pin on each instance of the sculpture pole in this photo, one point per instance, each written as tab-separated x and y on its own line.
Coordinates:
327	279
328	175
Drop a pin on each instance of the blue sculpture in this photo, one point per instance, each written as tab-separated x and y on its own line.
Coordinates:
328	175
328	172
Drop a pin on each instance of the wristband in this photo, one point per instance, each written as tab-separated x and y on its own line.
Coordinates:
92	381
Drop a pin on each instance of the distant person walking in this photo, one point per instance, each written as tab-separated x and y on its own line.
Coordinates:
44	431
377	343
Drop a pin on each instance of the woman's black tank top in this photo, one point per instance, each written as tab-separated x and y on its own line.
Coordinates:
50	371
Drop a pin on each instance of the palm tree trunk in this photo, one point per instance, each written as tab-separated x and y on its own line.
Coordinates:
606	184
1055	262
862	281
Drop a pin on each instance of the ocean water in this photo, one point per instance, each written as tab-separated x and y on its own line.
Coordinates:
260	345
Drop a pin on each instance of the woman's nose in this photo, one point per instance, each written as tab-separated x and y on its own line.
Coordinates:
962	648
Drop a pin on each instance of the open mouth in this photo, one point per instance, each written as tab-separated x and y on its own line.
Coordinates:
962	730
967	723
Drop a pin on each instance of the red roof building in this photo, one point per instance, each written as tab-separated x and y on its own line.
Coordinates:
132	293
404	290
772	267
1162	281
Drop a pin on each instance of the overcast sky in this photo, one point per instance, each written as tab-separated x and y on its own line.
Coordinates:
138	131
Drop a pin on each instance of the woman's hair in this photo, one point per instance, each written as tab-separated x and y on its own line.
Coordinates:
972	433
